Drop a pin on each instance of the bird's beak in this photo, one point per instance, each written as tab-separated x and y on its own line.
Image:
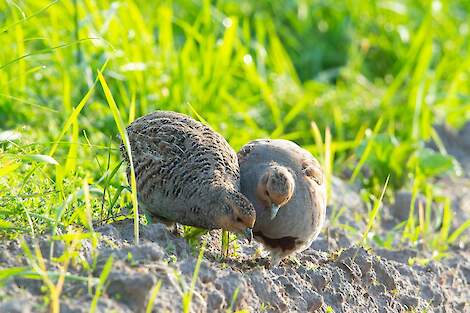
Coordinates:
274	210
249	234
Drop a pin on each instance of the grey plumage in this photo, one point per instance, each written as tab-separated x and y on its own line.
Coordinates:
280	173
187	173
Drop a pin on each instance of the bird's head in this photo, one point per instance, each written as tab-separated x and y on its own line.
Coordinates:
275	188
238	214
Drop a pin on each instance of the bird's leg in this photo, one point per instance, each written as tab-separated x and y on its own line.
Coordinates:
276	257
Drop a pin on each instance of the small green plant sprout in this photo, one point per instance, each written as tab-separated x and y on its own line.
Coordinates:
101	283
264	307
373	213
130	259
188	294
329	309
193	236
233	301
153	296
225	243
53	281
229	240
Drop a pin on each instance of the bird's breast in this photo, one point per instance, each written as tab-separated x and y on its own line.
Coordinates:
283	243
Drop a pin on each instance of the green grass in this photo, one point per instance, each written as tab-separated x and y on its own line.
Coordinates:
101	284
358	83
153	295
188	294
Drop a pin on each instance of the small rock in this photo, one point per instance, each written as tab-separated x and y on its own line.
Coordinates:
109	231
461	307
266	290
5	257
289	287
409	301
400	209
335	300
429	294
131	289
402	255
33	286
229	284
133	255
356	262
278	270
377	289
157	233
466	273
300	305
385	274
215	301
318	280
315	302
16	306
206	273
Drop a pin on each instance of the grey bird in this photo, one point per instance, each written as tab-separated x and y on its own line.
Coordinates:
285	183
187	173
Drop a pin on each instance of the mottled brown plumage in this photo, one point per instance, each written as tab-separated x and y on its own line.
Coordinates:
187	173
285	184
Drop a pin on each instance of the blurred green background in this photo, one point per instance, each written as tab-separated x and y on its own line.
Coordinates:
358	83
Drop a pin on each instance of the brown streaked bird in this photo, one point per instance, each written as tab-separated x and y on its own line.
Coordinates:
285	184
187	173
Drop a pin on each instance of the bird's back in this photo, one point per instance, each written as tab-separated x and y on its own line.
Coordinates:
178	161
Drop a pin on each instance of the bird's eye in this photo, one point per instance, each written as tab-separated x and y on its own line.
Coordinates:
267	193
239	220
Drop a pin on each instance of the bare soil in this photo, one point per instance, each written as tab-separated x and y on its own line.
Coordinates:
334	274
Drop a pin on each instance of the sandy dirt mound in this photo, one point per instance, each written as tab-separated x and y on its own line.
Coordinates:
346	280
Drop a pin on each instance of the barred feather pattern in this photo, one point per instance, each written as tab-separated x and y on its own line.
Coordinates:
180	166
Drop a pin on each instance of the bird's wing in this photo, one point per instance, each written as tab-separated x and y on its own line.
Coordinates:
247	149
312	170
244	152
157	147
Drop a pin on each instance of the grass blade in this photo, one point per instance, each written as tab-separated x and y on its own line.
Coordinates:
188	295
125	139
103	277
153	296
367	151
458	232
374	211
73	116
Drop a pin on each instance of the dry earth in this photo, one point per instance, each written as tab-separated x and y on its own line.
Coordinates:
334	274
